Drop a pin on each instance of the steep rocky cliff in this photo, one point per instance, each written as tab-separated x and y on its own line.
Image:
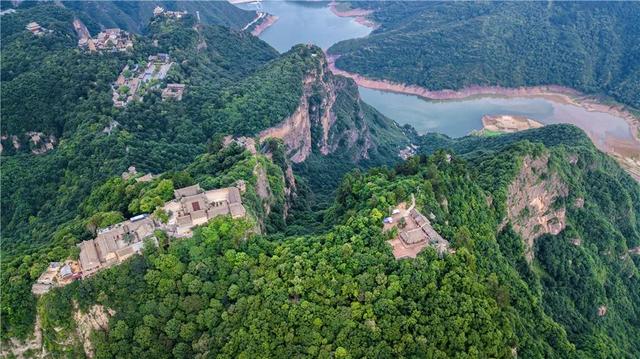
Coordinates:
532	206
330	117
73	338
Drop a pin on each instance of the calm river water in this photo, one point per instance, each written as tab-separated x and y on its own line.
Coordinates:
315	23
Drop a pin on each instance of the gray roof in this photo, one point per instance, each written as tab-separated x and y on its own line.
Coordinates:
66	270
187	191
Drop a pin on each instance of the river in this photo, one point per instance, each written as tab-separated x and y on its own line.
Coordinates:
305	22
315	23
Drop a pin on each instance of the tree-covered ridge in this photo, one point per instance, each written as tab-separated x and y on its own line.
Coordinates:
42	192
341	293
46	82
589	46
588	267
134	15
117	198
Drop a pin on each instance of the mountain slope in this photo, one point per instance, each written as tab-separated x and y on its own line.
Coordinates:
155	136
320	116
133	16
43	209
458	44
570	224
342	293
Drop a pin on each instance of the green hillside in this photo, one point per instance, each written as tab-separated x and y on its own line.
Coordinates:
45	208
589	46
342	293
542	230
134	15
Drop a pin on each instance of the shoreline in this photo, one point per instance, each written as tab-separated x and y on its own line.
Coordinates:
360	15
556	93
270	20
625	153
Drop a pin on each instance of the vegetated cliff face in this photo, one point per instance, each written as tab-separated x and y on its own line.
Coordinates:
97	318
532	202
62	339
330	117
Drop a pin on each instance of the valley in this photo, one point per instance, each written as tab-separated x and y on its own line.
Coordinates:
613	128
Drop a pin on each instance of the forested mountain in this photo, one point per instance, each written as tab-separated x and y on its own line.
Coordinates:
544	230
343	294
133	16
64	92
589	46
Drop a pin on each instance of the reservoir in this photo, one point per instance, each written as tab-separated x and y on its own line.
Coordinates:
458	118
303	22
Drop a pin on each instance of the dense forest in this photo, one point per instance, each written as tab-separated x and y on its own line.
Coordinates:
590	46
133	15
43	211
309	271
340	293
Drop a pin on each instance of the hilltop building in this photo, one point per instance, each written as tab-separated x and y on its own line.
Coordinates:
110	39
115	244
35	28
173	91
415	232
193	206
57	274
130	84
160	11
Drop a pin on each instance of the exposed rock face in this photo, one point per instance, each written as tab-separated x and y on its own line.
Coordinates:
30	348
295	132
37	141
262	187
602	310
531	202
289	189
313	124
96	319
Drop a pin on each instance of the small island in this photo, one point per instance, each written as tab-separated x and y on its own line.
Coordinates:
494	125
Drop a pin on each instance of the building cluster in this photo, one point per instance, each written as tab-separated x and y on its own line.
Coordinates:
160	11
408	151
131	172
193	206
36	29
173	92
56	275
108	40
115	244
133	82
415	232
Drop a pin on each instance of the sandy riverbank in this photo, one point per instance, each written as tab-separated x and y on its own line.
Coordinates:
360	15
270	20
508	124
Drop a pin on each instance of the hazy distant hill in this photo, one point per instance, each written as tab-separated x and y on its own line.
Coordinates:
134	15
589	46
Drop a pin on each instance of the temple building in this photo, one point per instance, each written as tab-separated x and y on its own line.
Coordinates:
193	206
115	244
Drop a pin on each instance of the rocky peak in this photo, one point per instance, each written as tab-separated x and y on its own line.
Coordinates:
313	125
531	201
